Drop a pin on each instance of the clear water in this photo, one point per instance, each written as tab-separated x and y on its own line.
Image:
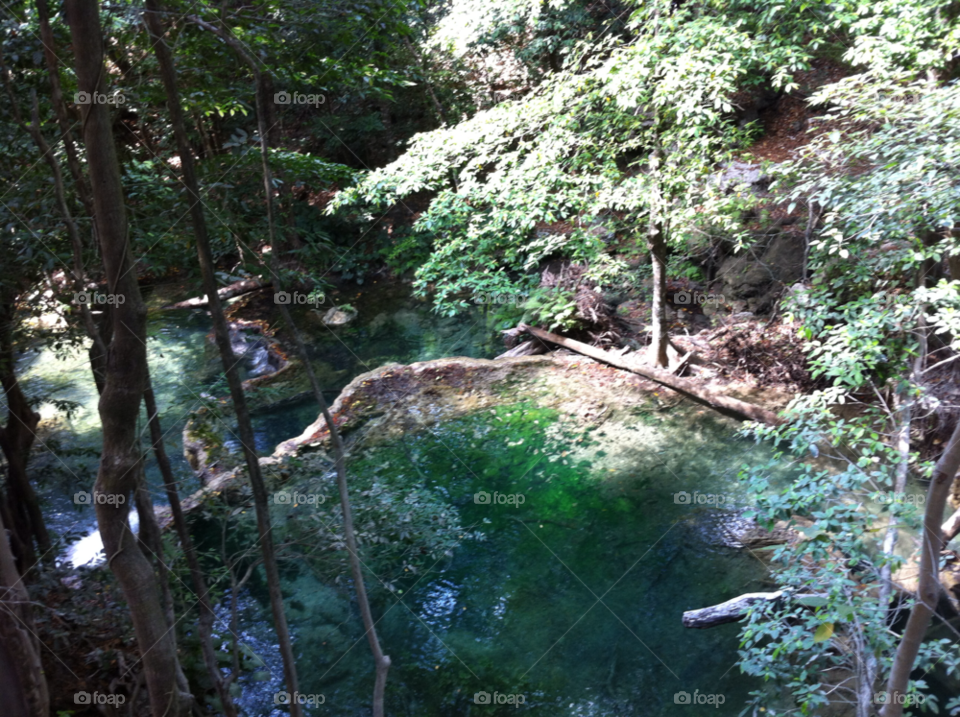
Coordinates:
392	326
572	599
185	366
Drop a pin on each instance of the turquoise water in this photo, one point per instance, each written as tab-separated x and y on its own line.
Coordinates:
185	369
183	366
570	600
567	601
391	326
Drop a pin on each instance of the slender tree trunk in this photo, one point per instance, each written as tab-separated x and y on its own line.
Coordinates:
125	381
657	246
222	336
928	589
865	704
59	108
151	543
16	440
205	621
98	351
381	661
23	684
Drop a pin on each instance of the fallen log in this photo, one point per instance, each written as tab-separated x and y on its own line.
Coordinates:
527	348
729	611
227	292
951	528
724	404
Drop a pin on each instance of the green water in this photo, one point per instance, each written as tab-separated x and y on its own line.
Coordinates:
569	602
571	599
392	326
182	365
185	369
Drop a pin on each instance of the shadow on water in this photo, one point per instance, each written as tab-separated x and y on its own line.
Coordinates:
569	601
579	557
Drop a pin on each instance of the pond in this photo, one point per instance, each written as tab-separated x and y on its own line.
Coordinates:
583	541
581	548
185	369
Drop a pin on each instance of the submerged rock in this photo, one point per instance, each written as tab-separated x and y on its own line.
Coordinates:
340	315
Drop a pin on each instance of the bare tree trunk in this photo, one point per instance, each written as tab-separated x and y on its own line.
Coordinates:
725	404
16	440
928	589
56	97
125	381
222	336
98	352
205	621
381	661
150	538
871	665
22	682
657	246
149	533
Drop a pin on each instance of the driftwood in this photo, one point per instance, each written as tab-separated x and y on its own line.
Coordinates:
527	348
228	292
724	404
729	611
951	528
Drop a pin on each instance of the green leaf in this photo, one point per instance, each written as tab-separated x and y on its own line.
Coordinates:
824	632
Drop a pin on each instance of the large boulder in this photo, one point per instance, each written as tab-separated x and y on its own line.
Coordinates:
755	279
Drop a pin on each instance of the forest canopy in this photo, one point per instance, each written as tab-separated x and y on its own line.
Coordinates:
752	204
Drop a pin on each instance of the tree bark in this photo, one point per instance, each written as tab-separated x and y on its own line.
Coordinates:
951	528
98	351
928	588
222	337
725	404
59	108
730	611
381	661
205	621
657	246
23	684
126	376
871	665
